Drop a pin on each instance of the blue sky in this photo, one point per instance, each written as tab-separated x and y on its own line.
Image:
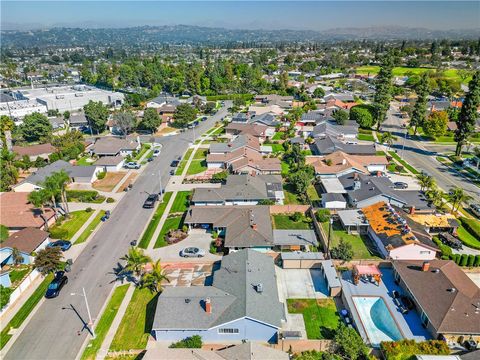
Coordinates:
314	15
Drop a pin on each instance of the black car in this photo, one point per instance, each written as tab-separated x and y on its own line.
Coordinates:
62	244
150	202
56	285
174	163
172	172
400	185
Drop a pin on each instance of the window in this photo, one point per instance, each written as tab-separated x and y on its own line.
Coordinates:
424	252
228	331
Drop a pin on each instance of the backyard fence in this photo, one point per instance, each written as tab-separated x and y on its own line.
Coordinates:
24	285
288	209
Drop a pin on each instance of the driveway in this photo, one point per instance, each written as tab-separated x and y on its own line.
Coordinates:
186	274
198	238
300	284
410	180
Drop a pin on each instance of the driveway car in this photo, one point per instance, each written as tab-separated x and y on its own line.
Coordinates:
174	163
192	252
132	165
56	285
62	244
400	185
156	152
150	202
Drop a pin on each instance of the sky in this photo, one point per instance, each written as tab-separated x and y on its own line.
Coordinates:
293	14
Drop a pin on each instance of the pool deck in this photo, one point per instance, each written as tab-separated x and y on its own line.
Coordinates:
409	324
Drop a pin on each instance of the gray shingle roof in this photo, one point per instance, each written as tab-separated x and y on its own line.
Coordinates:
265	119
74	171
329	145
295	237
332	197
111	145
332	129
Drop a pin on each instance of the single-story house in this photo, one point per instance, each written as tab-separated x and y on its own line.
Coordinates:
446	299
330	144
241	226
267	119
162	100
78	121
114	146
285	102
333	201
57	122
110	163
241	118
241	304
295	240
395	237
242	190
34	151
436	223
17	213
256	130
326	128
26	241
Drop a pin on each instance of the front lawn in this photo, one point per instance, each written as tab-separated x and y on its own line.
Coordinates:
403	162
105	322
366	137
199	163
183	162
136	324
90	228
170	224
278	135
467	238
181	202
153	224
110	180
320	316
285	222
68	228
18	273
363	248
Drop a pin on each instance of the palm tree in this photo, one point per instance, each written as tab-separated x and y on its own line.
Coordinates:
387	137
153	279
426	182
39	199
457	196
61	179
136	260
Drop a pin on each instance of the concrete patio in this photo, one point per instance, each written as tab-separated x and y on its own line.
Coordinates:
300	284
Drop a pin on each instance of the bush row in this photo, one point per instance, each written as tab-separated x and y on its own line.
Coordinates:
83	195
406	349
464	259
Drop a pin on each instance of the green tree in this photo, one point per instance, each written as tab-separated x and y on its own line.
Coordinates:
301	180
5	293
48	260
40	198
468	114
152	280
436	124
387	138
343	251
294	157
350	344
193	342
6	127
17	257
340	116
419	112
36	127
150	121
457	196
125	121
363	115
97	115
135	261
318	92
184	114
425	181
9	173
383	90
3	233
69	145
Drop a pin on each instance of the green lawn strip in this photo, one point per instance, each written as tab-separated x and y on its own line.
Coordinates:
69	227
278	135
403	162
276	148
360	243
18	273
183	162
153	224
290	197
366	137
24	311
102	327
284	221
90	228
320	316
313	193
200	154
136	324
380	153
469	232
197	166
142	151
217	131
180	204
170	224
285	168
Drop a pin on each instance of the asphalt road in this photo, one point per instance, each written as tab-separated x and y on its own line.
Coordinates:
421	155
57	330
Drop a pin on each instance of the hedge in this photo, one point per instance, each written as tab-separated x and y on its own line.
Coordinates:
445	249
407	349
472	226
465	260
84	196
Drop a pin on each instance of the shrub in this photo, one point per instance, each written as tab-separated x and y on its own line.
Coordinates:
101	175
406	349
82	195
477	260
296	216
3	233
323	215
456	258
185	228
193	342
214	234
88	209
463	260
343	251
445	249
471	260
110	200
5	293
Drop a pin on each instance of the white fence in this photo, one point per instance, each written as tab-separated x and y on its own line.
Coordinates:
24	285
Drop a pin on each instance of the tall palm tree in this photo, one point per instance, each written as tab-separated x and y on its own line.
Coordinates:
457	196
387	137
61	179
153	279
135	261
39	199
426	182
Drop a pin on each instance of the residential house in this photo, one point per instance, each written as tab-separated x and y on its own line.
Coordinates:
161	100
347	132
285	102
26	241
114	146
267	119
446	299
295	240
353	221
436	223
333	201
78	121
330	144
242	190
241	118
397	237
78	174
34	151
256	130
17	213
110	163
259	110
57	122
339	163
241	304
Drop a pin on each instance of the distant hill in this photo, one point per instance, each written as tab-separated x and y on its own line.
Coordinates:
185	34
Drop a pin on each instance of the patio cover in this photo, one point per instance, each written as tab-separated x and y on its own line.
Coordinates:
366	270
333	185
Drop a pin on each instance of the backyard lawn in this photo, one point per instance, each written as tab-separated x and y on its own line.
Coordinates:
284	221
85	161
276	148
278	135
320	316
69	227
313	194
170	223
105	322
290	197
285	168
136	324
363	248
90	228
153	224
180	204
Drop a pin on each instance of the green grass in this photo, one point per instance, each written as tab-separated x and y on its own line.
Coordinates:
170	223
24	311
105	322
467	239
307	152
366	137
403	162
276	148
320	316
18	273
197	166
71	226
402	71
284	221
313	193
180	204
183	163
153	224
136	324
217	131
360	243
285	168
290	197
200	154
90	228
83	161
380	153
278	135
142	151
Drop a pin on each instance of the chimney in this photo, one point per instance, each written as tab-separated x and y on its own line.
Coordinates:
357	184
412	210
344	161
379	173
425	266
208	306
355	176
254	226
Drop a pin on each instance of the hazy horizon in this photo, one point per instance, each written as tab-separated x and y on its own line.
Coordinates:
254	15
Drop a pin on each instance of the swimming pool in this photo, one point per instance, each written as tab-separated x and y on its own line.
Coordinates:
376	319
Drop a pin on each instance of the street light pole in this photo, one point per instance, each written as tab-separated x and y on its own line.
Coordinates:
160	182
92	330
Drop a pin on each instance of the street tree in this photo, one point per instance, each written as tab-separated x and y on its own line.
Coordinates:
425	181
436	124
468	114
457	196
153	279
383	90
150	121
387	138
135	261
184	114
48	260
125	121
419	112
97	115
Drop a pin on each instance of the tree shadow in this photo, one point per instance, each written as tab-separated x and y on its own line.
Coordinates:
150	314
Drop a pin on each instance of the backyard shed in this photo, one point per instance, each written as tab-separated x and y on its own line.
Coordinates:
301	260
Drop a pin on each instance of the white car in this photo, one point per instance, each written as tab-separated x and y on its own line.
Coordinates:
192	252
132	165
156	152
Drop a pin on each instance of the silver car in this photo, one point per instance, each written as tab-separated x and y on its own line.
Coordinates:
192	252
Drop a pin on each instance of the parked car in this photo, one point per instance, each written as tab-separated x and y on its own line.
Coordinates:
174	163
150	159
150	202
62	244
470	344
106	216
400	185
156	152
56	285
204	118
475	209
172	172
132	165
192	252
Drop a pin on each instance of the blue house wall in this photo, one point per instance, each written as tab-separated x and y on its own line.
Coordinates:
9	259
248	329
5	279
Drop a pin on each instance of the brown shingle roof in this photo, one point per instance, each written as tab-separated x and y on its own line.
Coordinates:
34	150
17	212
26	240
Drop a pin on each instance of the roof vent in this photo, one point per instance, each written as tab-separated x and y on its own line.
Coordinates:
259	288
187	301
452	290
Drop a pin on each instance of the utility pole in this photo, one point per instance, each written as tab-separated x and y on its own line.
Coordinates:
330	221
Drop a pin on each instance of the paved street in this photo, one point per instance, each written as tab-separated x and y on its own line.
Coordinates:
422	156
57	330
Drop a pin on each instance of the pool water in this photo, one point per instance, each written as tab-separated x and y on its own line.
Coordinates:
376	320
